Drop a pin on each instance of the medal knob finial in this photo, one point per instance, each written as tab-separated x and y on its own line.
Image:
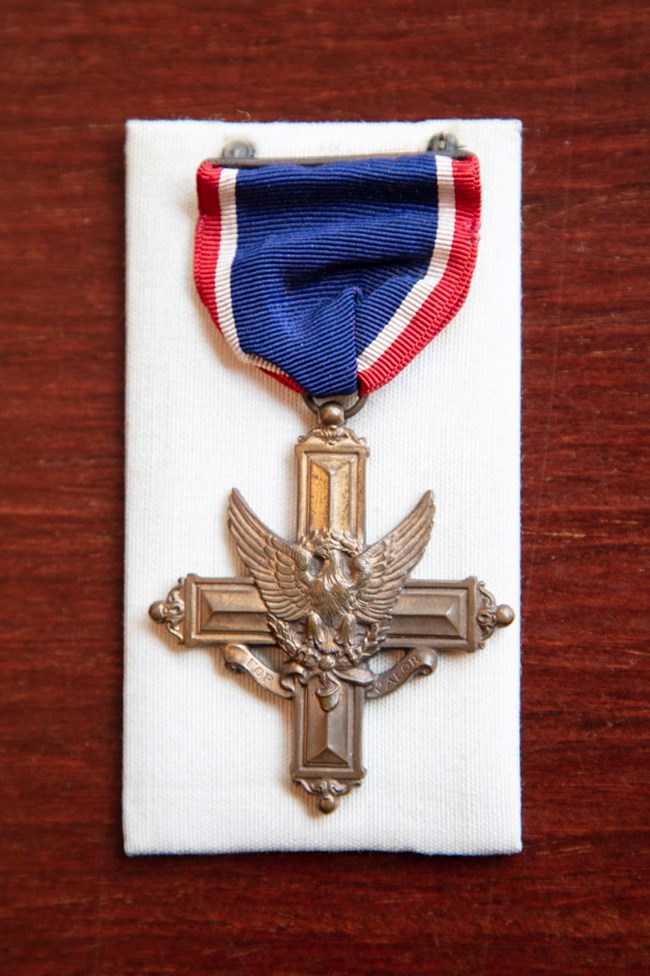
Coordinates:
505	615
331	414
327	804
157	612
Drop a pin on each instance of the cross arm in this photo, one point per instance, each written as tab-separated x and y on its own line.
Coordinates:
448	615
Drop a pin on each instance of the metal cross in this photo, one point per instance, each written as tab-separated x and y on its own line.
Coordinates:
330	603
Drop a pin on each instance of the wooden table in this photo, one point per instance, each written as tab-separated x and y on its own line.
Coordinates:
573	902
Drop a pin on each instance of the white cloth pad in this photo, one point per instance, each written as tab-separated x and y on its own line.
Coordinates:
206	753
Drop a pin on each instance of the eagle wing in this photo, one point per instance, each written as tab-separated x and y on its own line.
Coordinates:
383	568
278	568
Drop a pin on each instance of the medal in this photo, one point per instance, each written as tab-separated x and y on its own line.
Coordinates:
332	276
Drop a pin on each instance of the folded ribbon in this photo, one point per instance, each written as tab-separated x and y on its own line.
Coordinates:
332	278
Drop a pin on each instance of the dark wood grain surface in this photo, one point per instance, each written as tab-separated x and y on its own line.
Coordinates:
575	902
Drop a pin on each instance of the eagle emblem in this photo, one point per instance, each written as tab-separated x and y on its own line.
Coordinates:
329	599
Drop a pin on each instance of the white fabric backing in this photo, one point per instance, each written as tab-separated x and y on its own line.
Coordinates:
206	753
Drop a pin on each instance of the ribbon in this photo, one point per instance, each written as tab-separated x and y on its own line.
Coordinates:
332	278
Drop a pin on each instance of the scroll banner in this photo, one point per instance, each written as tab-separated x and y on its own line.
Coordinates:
418	662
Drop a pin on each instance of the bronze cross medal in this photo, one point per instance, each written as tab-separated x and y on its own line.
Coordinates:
330	603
